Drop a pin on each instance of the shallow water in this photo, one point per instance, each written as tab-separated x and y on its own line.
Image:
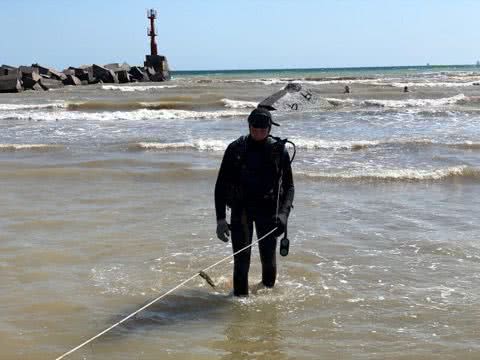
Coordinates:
108	205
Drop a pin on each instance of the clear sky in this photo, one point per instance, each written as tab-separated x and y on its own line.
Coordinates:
242	34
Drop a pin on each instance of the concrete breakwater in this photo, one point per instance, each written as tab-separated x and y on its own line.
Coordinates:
40	78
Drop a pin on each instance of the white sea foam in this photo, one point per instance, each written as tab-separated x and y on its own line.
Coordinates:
272	81
136	115
238	104
356	300
131	88
306	144
431	84
397	174
457	99
344	81
311	144
417	102
26	147
55	105
320	144
199	145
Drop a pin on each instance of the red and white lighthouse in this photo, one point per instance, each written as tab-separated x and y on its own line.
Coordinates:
152	15
156	65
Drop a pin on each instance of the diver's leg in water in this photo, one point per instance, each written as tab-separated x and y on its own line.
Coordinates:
267	251
242	229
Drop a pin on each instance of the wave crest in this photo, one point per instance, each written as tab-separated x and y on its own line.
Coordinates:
408	103
136	115
465	172
238	104
131	88
199	145
10	107
26	147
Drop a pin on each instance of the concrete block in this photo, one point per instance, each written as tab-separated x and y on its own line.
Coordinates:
160	76
126	66
114	77
6	69
37	87
116	67
150	72
47	83
72	80
159	63
28	70
52	73
29	80
103	74
112	66
69	71
10	83
123	76
138	74
85	75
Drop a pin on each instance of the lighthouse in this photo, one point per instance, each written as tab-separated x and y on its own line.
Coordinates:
156	65
152	15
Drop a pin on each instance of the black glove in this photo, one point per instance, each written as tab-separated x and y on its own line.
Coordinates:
280	223
222	230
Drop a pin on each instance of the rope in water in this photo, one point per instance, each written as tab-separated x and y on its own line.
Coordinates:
162	296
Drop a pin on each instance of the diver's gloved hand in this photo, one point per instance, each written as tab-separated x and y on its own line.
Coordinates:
280	223
222	230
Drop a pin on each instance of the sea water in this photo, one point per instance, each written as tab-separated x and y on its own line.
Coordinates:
107	203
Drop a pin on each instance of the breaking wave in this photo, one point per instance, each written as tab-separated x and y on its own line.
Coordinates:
467	145
26	147
457	99
346	80
199	145
309	144
238	104
10	107
389	82
131	88
174	103
454	172
177	102
433	84
335	145
308	81
273	81
135	115
305	144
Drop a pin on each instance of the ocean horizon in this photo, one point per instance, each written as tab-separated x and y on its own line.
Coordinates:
328	69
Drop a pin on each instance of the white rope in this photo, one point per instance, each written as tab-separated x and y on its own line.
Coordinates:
160	297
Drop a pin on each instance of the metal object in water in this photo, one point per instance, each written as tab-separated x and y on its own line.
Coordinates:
207	278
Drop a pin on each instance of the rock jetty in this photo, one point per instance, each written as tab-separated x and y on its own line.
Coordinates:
41	78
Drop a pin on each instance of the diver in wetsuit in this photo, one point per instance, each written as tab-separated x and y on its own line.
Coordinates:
255	181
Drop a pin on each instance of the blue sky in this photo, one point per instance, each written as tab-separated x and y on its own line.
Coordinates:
247	34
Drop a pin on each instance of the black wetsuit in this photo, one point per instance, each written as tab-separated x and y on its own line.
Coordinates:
248	183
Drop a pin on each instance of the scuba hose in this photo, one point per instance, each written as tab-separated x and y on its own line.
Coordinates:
284	142
284	242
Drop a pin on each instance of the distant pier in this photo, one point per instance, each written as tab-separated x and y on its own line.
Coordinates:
41	78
